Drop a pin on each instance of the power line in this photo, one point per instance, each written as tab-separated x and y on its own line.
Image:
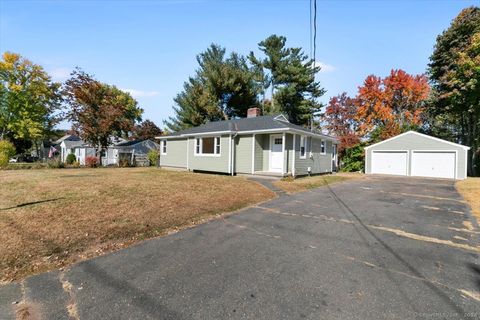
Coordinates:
310	27
314	30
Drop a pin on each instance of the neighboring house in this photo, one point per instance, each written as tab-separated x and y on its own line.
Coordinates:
415	154
268	145
82	152
67	145
131	151
134	151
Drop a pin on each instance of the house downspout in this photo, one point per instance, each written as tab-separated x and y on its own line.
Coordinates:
159	154
294	155
233	150
283	155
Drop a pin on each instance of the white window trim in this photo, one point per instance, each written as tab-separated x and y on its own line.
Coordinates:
214	154
304	140
163	146
324	142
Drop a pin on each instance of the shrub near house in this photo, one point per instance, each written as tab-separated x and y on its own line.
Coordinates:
7	150
91	161
71	158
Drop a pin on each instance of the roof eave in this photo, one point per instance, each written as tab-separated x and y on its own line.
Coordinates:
288	130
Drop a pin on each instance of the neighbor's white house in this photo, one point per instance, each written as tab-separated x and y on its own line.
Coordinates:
119	148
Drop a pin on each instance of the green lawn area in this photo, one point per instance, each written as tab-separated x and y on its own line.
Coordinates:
305	183
50	218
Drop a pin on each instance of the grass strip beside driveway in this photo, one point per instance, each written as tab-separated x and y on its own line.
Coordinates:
470	191
52	218
305	183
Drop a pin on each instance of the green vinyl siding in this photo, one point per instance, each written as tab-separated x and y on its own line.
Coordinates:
319	163
259	152
243	154
176	154
209	162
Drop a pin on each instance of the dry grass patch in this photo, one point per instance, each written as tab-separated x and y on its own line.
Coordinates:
52	218
305	183
470	191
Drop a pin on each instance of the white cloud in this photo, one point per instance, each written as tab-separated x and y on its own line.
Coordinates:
141	94
324	67
60	74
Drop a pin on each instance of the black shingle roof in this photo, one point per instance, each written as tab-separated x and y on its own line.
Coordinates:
244	124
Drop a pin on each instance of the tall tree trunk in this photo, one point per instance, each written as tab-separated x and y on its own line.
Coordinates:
472	142
273	103
36	149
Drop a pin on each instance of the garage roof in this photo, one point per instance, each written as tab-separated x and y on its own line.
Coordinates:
419	134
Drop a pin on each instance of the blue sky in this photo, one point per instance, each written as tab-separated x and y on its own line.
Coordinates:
149	47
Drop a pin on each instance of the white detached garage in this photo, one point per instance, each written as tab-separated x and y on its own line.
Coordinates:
415	154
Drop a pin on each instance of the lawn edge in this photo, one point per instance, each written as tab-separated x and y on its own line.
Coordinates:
209	217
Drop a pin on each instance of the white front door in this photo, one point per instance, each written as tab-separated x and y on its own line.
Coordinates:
433	164
389	162
276	153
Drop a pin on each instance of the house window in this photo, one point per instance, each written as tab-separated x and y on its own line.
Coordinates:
277	141
303	147
164	146
322	147
207	146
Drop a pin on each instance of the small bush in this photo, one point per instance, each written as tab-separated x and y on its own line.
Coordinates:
76	164
288	178
55	164
153	156
7	150
91	161
353	160
71	158
26	166
123	163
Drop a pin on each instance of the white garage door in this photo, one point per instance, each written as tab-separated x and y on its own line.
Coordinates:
391	162
433	164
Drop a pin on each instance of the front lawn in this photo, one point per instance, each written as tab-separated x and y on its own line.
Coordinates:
51	218
470	191
304	183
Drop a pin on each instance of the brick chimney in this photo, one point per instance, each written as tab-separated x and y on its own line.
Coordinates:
253	112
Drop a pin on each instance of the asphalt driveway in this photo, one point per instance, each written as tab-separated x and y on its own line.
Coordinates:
373	248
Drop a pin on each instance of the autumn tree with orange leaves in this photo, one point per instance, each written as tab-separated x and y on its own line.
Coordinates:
382	108
340	120
392	105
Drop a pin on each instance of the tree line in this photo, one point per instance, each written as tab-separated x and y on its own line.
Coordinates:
444	102
31	105
225	86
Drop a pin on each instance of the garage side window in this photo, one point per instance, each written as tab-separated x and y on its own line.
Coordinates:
303	147
164	146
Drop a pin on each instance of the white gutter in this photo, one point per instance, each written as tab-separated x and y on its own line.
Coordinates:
283	154
230	154
253	154
294	155
286	130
